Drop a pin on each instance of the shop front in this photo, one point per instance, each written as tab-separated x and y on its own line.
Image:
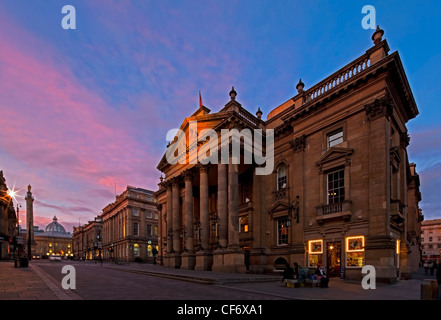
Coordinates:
341	257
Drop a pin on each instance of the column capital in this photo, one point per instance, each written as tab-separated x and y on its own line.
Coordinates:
203	168
189	174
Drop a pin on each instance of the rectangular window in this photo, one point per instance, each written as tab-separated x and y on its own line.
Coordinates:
282	231
335	137
149	230
336	187
355	251
155	216
135	212
315	250
135	229
155	230
149	214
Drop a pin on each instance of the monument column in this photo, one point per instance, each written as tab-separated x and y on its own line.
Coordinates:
30	220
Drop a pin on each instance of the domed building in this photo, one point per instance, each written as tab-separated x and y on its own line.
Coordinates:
53	240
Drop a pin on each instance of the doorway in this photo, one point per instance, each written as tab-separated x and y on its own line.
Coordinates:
333	258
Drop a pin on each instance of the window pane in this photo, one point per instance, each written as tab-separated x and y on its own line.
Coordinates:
336	187
282	231
335	138
281	177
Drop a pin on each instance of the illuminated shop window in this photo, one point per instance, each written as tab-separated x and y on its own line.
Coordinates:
355	251
136	249
315	249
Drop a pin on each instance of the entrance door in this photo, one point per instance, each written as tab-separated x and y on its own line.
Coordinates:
333	258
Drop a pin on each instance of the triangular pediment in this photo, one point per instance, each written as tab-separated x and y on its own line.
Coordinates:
278	206
335	153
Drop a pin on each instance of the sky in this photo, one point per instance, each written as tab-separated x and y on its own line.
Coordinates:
84	112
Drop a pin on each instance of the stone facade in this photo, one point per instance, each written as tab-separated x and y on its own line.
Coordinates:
431	240
342	193
8	221
126	230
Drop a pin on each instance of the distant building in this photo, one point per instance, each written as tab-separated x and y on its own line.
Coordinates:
126	230
431	239
53	240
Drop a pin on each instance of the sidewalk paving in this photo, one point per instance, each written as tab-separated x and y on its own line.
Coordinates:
33	284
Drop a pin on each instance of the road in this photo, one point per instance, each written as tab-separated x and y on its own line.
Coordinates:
96	282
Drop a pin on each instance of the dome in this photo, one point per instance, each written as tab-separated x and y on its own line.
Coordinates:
54	226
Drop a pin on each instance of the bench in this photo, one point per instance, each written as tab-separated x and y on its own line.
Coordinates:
312	283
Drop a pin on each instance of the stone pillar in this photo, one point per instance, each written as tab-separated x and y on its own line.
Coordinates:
205	223
204	258
222	203
30	221
169	227
188	256
176	224
231	259
169	220
233	206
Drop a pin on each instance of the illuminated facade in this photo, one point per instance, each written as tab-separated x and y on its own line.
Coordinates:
126	230
8	221
342	193
53	240
431	240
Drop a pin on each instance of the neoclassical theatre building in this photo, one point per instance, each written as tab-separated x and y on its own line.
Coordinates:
341	192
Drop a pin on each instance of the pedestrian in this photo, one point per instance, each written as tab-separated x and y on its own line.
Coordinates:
438	279
288	273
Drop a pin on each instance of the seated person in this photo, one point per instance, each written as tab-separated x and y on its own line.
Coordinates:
321	276
288	273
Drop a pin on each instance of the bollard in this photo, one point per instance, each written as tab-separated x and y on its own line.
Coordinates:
429	290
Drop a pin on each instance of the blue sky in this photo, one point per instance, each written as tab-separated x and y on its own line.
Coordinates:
86	111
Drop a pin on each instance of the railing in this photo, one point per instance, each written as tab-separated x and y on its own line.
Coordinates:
338	78
335	208
280	194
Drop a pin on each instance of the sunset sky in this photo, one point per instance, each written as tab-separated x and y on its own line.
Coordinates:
85	112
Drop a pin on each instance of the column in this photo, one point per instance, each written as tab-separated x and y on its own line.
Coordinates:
169	220
205	223
176	217
188	257
204	257
233	206
189	212
222	203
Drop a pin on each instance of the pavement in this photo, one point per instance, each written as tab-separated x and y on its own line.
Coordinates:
32	283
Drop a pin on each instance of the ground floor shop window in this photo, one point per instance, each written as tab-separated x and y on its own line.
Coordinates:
136	250
355	251
315	249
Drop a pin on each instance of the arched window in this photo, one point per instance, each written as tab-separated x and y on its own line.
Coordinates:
281	177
